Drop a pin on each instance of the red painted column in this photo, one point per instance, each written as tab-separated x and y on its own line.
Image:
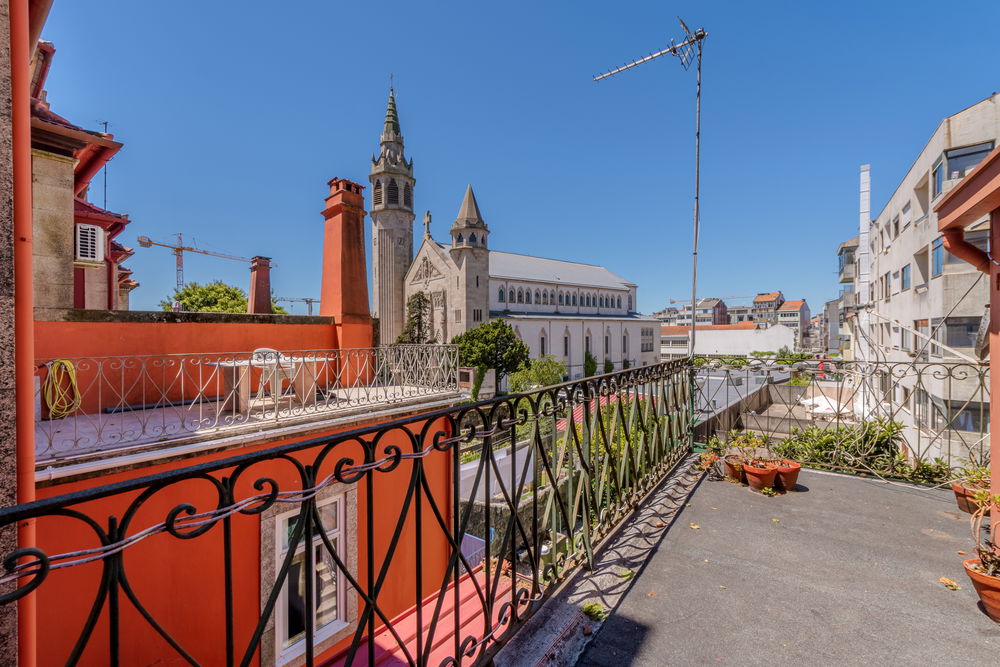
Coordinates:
344	293
260	286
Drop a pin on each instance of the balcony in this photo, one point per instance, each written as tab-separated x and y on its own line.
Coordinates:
88	405
452	535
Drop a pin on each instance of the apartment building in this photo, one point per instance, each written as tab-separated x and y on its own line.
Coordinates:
739	314
794	314
926	305
765	307
708	312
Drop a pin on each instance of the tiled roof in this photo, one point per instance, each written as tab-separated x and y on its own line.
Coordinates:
83	206
766	296
792	305
677	330
527	267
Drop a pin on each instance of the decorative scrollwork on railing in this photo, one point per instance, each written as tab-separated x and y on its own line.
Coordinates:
468	516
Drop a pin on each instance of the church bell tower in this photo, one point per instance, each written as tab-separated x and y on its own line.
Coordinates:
392	226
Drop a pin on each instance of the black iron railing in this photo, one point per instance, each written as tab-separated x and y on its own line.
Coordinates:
432	538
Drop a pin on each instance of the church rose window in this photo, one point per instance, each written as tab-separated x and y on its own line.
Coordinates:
393	192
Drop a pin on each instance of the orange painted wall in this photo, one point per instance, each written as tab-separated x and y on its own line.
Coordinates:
181	581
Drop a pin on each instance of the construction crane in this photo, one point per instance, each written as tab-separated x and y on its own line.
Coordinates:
731	296
179	249
309	302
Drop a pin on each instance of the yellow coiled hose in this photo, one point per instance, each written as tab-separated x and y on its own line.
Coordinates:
62	396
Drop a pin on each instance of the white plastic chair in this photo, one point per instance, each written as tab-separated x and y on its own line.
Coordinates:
274	369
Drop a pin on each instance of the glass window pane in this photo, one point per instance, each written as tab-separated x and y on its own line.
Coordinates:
329	516
295	602
326	587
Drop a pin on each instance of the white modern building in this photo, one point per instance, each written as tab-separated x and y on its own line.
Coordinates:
925	305
738	340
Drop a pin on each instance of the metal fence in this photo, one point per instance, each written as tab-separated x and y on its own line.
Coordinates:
881	417
430	545
96	403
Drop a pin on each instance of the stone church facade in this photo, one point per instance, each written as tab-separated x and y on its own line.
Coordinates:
565	309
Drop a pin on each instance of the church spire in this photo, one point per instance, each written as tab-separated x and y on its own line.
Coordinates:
391	117
468	212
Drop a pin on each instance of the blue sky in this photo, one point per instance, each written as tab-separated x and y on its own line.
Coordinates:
234	116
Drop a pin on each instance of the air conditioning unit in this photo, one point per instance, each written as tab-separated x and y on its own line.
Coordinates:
89	243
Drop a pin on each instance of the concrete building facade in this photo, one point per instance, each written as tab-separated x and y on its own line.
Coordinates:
727	339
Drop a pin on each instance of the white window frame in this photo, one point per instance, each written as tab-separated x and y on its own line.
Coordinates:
98	243
285	655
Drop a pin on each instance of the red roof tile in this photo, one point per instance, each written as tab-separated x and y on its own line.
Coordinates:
766	296
793	305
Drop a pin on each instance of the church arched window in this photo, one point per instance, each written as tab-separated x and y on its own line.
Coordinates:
407	195
574	299
377	194
527	296
560	298
588	300
510	297
545	298
500	295
472	239
459	240
630	303
393	192
619	302
520	296
538	298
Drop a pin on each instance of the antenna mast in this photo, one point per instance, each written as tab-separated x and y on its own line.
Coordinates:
692	43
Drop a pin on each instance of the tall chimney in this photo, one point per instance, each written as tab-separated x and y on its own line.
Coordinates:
344	293
260	286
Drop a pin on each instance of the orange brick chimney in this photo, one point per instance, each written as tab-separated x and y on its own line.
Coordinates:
260	286
344	294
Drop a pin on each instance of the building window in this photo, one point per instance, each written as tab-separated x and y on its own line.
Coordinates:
963	160
937	257
566	346
619	302
510	297
630	303
907	216
501	295
377	194
538	297
520	296
541	344
472	239
459	240
895	227
587	343
904	278
89	243
329	609
937	178
458	315
407	196
527	297
574	299
545	298
624	344
393	192
961	331
607	344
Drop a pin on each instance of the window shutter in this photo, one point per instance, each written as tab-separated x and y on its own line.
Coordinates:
89	243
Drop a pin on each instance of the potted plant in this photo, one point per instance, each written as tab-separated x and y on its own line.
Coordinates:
760	473
787	474
973	478
984	571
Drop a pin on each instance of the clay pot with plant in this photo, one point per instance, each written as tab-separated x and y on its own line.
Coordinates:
760	474
787	474
984	571
973	478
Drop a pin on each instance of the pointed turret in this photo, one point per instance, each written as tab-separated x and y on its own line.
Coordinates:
391	117
469	229
468	213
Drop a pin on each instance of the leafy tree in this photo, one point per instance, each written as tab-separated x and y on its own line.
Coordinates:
786	356
417	327
213	297
492	345
609	366
589	365
542	372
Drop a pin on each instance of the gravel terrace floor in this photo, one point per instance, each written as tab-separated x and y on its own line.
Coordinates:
843	572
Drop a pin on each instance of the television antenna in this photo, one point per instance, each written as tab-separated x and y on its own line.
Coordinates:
687	51
306	300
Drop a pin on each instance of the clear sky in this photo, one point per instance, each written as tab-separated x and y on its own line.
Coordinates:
235	114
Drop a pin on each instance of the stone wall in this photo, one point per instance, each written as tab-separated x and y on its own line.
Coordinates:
52	225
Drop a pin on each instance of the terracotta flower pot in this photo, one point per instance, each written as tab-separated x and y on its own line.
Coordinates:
963	496
988	588
788	475
735	468
760	478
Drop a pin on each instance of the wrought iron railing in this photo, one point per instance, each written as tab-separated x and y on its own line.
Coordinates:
428	541
96	403
876	417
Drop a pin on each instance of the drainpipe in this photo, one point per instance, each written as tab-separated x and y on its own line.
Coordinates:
24	341
955	243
